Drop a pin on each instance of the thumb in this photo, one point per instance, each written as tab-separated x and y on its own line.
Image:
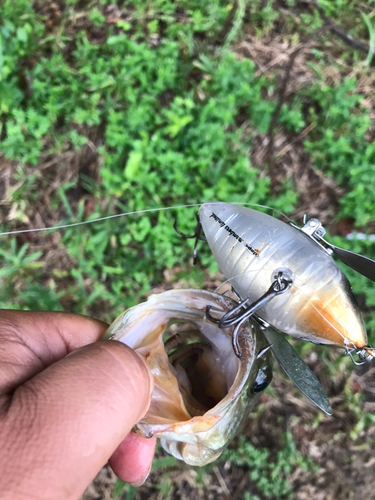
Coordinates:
61	427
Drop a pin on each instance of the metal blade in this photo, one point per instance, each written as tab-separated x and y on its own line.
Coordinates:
297	370
359	263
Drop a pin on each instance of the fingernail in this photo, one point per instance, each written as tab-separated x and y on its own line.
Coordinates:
141	481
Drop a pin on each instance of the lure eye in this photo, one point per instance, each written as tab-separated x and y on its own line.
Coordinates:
262	381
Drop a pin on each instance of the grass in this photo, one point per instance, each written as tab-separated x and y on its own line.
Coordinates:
115	107
270	474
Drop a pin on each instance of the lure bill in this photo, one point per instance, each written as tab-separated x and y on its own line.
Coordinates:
297	370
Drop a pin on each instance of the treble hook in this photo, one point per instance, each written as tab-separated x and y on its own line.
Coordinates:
196	235
235	317
362	351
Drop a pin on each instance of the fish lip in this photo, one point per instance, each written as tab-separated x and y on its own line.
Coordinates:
197	439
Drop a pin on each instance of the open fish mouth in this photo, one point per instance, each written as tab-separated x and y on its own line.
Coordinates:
202	391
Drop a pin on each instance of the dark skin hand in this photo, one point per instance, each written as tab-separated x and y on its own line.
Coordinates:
67	405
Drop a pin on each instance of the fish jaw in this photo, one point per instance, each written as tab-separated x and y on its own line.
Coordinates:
251	246
196	439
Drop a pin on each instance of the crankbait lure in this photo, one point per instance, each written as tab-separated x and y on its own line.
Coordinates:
287	276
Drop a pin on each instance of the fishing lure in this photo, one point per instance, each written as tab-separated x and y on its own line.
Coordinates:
287	276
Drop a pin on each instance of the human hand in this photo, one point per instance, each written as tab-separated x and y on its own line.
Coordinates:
67	406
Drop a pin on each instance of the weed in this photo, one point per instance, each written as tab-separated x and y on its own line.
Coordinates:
155	152
269	475
122	487
341	148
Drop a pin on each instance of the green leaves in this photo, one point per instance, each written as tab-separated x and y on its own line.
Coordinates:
133	164
16	260
340	147
270	474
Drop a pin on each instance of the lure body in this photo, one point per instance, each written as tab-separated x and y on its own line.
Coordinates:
251	247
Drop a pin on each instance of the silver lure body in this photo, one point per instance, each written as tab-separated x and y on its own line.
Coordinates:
251	247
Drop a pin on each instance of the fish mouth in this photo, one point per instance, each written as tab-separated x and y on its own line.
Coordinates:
202	390
202	382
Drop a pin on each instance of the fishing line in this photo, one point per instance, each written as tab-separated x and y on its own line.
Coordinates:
99	219
51	228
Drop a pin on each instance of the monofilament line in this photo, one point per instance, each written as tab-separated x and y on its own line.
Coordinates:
98	220
160	209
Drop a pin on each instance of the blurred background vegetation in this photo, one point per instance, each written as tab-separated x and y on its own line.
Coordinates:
110	107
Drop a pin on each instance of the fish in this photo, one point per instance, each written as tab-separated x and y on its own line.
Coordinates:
203	392
252	249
